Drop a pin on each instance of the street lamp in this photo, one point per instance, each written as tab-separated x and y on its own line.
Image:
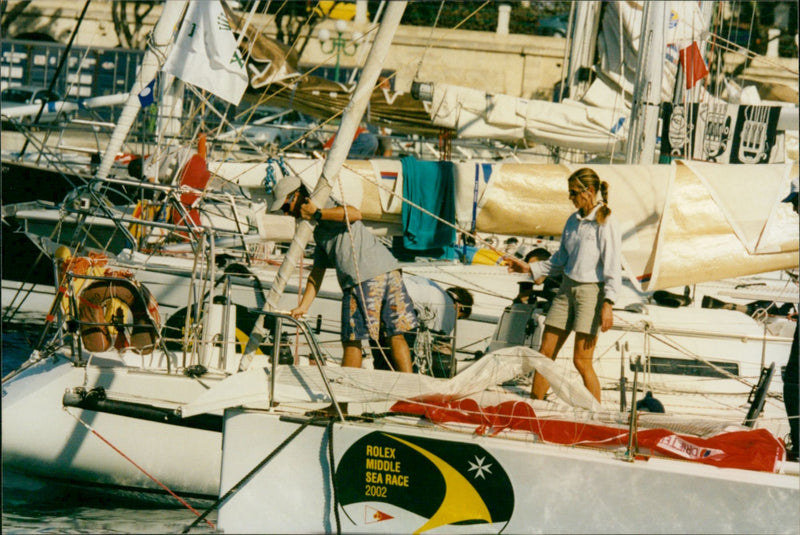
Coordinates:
339	44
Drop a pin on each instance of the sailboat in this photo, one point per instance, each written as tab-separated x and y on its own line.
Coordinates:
173	400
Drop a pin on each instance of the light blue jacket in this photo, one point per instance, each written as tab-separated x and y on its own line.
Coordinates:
589	252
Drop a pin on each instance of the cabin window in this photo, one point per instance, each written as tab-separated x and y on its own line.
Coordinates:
693	368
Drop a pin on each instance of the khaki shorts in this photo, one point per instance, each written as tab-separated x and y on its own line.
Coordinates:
576	307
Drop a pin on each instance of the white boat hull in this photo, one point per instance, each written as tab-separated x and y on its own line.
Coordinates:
391	477
43	438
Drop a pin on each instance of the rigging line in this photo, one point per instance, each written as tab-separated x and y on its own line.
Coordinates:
251	42
248	476
358	286
475	12
363	54
332	475
200	95
621	92
730	46
62	168
733	22
11	311
567	44
308	73
718	57
67	92
337	114
301	78
242	33
753	9
666	340
159	483
425	50
58	69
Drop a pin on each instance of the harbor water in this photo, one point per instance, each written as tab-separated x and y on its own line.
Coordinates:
34	506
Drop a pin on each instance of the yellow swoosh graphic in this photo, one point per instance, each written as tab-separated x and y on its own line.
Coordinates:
461	500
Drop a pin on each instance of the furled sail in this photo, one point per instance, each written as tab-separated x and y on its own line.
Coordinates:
473	113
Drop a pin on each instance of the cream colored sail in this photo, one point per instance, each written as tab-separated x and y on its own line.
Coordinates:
682	223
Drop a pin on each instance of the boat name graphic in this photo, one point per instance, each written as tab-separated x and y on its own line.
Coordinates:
435	482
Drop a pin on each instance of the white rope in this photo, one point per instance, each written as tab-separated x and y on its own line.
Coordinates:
358	287
425	50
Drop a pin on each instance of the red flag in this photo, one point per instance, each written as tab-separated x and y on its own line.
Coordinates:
693	64
373	515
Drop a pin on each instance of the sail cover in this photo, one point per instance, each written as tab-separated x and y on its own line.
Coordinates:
473	113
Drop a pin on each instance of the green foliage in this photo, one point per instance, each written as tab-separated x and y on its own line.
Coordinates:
478	15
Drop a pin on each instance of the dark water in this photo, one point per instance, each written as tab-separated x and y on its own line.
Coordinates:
34	506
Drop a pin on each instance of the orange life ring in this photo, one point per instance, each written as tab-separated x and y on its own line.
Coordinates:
94	303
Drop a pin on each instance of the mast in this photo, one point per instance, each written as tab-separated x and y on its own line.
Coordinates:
584	44
646	103
338	154
159	43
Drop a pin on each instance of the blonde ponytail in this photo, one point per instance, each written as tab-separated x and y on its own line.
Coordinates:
604	211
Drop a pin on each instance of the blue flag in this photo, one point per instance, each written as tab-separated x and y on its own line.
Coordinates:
146	96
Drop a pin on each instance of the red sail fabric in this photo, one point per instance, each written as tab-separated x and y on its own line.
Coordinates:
755	449
693	64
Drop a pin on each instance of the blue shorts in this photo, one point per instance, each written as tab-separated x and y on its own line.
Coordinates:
385	305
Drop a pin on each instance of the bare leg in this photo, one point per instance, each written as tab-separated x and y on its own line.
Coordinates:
552	340
401	354
352	354
582	358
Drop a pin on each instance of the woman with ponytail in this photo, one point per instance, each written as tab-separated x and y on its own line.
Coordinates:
589	258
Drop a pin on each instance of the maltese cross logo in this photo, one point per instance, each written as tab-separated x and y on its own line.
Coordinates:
479	467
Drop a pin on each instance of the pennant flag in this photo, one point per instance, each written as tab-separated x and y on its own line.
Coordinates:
205	53
146	97
693	64
372	515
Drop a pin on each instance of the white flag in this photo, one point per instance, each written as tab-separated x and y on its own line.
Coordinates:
205	53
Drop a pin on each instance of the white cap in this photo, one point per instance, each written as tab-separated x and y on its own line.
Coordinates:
285	187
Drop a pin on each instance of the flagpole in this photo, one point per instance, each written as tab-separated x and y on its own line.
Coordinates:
351	118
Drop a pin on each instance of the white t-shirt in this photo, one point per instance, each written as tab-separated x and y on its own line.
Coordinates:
434	306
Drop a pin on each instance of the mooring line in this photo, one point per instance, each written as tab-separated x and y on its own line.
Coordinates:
159	483
234	489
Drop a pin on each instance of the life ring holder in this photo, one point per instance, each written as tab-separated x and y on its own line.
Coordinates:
92	302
